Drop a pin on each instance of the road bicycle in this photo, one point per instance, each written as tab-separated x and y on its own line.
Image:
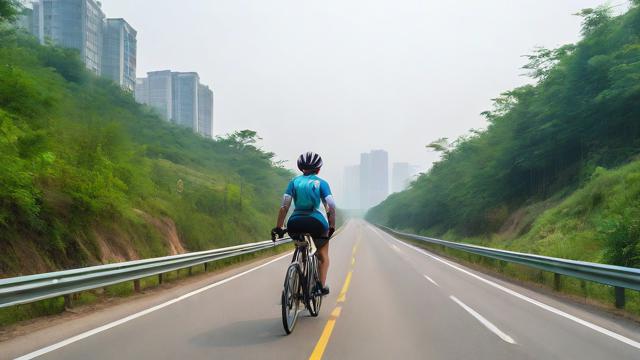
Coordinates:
302	282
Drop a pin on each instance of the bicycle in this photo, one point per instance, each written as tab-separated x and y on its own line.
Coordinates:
301	282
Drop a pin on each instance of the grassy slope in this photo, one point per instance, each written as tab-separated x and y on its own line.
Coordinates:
589	224
89	176
598	222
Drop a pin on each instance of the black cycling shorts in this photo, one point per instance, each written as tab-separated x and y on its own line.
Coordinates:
308	225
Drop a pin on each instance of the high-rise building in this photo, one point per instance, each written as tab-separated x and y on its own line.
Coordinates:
374	178
185	99
76	24
205	111
159	85
107	47
142	90
351	197
119	53
380	179
178	97
400	176
365	181
36	20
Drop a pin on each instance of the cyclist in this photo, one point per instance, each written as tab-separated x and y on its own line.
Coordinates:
308	192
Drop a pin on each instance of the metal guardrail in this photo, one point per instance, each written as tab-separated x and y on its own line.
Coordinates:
617	276
30	288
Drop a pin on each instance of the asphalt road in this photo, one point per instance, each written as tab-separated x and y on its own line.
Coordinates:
388	300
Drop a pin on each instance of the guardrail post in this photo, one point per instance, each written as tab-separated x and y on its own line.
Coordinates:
206	267
556	281
620	298
68	301
136	285
160	279
190	270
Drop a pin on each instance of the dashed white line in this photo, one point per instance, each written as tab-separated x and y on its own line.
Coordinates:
110	325
544	306
431	280
494	329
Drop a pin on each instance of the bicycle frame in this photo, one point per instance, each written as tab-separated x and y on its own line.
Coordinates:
305	248
305	267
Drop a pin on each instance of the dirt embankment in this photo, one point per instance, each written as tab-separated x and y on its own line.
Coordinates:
99	244
166	227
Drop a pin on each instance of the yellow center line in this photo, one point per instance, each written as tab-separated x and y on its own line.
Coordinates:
318	351
326	334
345	287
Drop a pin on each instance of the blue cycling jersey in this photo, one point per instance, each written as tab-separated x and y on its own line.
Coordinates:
307	192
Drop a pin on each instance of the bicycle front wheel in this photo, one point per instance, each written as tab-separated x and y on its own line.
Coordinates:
291	298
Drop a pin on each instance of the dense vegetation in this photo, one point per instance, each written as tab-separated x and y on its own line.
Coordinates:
89	176
544	142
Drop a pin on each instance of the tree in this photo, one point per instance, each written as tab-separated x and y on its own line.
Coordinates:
594	18
543	60
440	145
9	9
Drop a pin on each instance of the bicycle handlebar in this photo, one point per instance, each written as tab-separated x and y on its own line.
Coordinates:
280	233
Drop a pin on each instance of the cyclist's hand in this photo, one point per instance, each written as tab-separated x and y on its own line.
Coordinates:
277	232
331	231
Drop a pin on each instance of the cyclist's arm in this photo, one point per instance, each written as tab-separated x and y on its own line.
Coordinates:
330	207
329	203
284	209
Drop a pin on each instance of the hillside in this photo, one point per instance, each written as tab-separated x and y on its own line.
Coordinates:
536	178
90	176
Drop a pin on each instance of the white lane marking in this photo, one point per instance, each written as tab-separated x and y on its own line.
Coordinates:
108	326
544	306
494	329
431	280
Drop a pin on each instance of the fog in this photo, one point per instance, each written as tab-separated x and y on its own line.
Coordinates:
344	77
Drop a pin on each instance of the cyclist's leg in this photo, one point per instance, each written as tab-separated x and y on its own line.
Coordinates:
317	228
323	262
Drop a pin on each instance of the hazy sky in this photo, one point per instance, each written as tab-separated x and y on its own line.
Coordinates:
341	77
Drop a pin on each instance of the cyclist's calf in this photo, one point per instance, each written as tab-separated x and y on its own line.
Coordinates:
323	262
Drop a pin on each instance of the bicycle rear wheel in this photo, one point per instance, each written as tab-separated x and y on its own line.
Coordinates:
291	298
313	277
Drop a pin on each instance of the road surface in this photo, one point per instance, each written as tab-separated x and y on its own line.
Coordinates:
388	300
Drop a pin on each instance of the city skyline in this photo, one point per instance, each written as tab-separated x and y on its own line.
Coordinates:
369	73
360	180
178	97
107	46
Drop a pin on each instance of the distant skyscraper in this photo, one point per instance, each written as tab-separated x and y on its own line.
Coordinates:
178	97
36	20
119	53
76	24
107	47
159	87
185	99
374	178
380	172
142	90
352	187
365	181
205	111
400	176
